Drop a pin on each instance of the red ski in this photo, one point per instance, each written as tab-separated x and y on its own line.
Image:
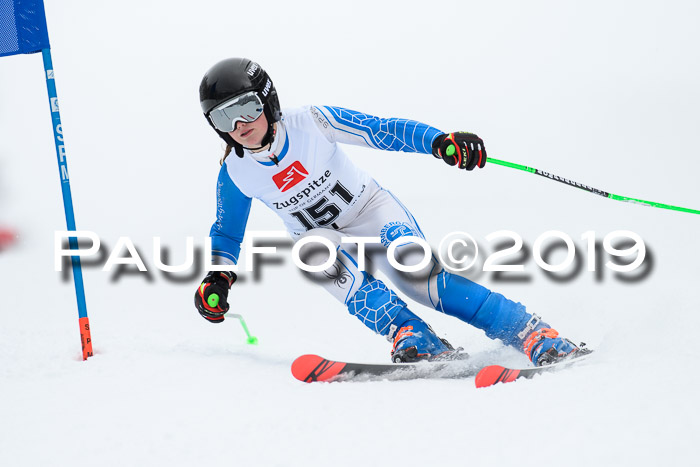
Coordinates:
493	374
312	368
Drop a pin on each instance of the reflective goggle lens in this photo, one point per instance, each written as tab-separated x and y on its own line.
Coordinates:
244	108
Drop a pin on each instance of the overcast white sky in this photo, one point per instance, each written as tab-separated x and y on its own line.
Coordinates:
602	92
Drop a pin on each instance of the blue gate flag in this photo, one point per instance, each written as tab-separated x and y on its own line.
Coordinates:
22	27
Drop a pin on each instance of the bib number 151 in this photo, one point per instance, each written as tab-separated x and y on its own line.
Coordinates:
324	212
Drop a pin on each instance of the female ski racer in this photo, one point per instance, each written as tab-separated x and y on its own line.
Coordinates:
292	162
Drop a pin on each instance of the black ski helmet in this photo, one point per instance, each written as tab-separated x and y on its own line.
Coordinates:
232	77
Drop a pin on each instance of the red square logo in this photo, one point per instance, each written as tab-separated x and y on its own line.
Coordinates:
290	176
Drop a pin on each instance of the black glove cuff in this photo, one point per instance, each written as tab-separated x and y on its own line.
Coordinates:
218	276
436	145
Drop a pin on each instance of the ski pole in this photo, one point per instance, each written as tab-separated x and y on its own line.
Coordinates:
213	302
590	189
251	339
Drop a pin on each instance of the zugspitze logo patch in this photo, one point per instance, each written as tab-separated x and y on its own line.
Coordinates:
290	176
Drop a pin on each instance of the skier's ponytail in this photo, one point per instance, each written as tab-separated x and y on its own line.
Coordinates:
227	151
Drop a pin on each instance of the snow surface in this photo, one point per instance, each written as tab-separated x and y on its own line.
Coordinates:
604	93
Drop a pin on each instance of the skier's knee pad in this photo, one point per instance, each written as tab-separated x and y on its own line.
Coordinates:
377	306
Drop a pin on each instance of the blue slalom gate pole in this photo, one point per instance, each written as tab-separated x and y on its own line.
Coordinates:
23	31
85	338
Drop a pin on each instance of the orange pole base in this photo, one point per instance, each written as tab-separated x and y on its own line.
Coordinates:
85	339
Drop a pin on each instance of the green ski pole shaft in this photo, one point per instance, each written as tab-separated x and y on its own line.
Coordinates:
590	189
251	339
213	302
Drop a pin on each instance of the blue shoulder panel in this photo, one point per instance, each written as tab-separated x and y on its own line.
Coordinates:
392	134
232	210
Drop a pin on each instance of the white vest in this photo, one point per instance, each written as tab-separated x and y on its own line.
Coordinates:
315	184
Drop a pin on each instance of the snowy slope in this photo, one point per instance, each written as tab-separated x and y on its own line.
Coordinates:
604	93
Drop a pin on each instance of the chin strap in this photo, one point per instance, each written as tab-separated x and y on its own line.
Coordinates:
239	149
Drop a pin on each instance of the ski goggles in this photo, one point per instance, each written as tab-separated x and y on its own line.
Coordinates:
244	108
